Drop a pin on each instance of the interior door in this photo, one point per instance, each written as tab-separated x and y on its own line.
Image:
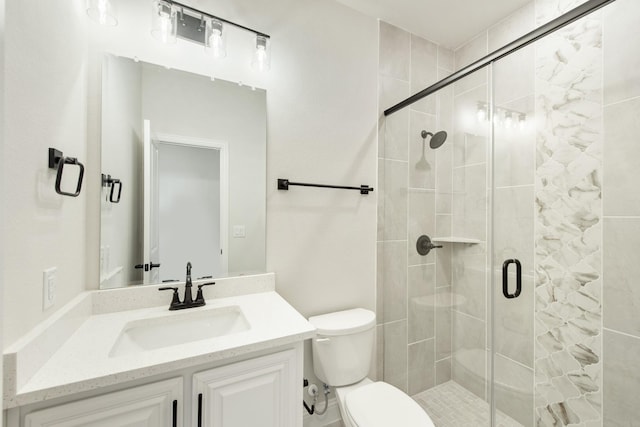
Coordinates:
151	244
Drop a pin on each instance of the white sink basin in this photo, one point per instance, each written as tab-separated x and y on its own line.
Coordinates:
172	329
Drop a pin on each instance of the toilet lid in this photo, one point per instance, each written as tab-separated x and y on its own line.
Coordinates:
382	405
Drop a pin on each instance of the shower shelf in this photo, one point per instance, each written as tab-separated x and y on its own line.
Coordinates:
455	239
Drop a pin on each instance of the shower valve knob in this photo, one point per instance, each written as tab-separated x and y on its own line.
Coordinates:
424	245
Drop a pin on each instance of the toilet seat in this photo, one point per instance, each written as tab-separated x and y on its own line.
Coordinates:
382	405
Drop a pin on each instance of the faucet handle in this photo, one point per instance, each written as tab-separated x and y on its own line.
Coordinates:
175	301
199	295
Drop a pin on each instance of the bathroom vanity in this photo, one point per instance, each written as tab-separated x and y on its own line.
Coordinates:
118	357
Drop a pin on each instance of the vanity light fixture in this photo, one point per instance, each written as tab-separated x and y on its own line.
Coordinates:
171	20
215	40
502	117
262	55
102	12
164	21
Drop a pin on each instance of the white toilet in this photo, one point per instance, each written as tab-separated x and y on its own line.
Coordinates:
342	353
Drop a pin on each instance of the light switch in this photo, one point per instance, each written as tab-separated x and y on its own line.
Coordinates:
238	231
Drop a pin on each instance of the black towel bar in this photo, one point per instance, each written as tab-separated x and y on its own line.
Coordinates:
283	184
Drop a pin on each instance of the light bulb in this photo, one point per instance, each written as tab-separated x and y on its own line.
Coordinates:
508	120
164	22
261	58
522	121
482	114
215	40
102	12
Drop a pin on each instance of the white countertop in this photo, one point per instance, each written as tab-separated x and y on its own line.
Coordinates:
83	363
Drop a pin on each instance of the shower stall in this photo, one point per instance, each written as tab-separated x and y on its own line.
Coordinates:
524	310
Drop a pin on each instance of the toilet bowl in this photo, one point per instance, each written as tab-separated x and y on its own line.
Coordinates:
342	354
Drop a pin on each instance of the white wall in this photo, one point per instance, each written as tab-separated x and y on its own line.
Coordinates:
121	223
46	95
322	115
189	210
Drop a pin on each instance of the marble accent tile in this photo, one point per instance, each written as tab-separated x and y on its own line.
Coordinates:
445	58
621	379
394	53
547	10
621	59
422	159
394	293
422	375
621	272
395	354
568	294
514	149
422	289
621	157
443	371
421	221
395	200
514	390
424	72
443	323
513	226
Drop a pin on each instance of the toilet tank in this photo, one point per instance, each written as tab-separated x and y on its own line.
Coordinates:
343	347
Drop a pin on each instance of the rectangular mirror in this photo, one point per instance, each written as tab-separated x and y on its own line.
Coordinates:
183	175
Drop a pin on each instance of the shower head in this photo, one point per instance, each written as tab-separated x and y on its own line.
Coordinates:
437	139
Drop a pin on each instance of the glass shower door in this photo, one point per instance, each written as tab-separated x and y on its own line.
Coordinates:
512	225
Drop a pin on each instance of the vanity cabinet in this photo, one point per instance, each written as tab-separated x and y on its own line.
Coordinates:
257	392
156	404
260	391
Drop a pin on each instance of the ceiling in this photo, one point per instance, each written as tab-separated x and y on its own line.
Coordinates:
446	22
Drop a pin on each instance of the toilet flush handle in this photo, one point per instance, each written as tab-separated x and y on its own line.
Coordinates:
319	340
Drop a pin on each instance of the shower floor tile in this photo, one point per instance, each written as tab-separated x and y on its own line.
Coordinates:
451	405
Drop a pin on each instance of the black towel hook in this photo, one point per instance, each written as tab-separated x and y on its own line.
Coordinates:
57	160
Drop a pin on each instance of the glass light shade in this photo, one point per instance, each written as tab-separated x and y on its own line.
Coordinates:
102	12
508	120
164	21
215	40
262	55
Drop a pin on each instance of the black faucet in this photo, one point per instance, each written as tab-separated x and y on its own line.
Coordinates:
188	301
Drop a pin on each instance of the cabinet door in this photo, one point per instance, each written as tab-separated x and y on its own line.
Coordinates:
257	392
152	405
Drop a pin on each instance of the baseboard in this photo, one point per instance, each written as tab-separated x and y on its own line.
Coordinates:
331	418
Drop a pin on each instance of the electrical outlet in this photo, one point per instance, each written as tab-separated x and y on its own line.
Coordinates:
49	287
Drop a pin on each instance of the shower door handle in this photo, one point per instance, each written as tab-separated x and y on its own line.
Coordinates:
505	278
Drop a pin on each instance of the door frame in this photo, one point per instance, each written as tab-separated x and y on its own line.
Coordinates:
223	148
